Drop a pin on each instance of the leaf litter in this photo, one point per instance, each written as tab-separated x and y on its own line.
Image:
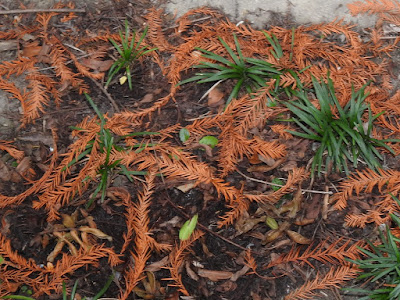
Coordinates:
134	232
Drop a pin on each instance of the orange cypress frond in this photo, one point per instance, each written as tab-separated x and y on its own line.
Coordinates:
35	101
155	33
16	67
14	152
143	242
174	163
37	185
374	6
378	215
84	70
235	145
282	130
177	257
147	112
236	210
63	193
71	15
70	263
58	56
294	178
334	253
334	278
49	83
194	15
134	274
365	180
13	90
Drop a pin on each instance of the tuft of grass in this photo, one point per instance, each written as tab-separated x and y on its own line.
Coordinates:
347	137
250	73
108	143
381	265
129	51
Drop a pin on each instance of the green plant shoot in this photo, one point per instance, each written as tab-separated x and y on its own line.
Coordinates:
187	229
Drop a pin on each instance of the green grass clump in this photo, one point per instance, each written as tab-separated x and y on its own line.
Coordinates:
250	73
108	143
347	137
381	266
129	51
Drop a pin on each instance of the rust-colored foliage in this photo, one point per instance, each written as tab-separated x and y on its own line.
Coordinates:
333	278
335	252
237	130
177	257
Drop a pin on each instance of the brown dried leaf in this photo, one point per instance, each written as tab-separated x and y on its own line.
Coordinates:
289	166
5	173
148	98
96	232
245	223
190	272
96	64
227	286
314	207
158	265
298	238
271	236
31	49
240	273
215	98
303	221
214	275
57	250
293	206
68	221
184	188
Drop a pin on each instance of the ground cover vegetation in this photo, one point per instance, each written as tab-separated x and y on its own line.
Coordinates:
124	164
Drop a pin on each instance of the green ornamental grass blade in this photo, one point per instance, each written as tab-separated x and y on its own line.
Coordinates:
235	91
213	56
230	51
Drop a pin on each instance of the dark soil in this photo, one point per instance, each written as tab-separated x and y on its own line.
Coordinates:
26	227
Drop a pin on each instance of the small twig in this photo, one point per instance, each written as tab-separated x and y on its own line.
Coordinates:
209	90
108	95
279	185
39	10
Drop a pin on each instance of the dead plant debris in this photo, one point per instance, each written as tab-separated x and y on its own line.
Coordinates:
288	235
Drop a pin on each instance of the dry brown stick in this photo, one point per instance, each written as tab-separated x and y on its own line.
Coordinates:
108	95
280	185
39	10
